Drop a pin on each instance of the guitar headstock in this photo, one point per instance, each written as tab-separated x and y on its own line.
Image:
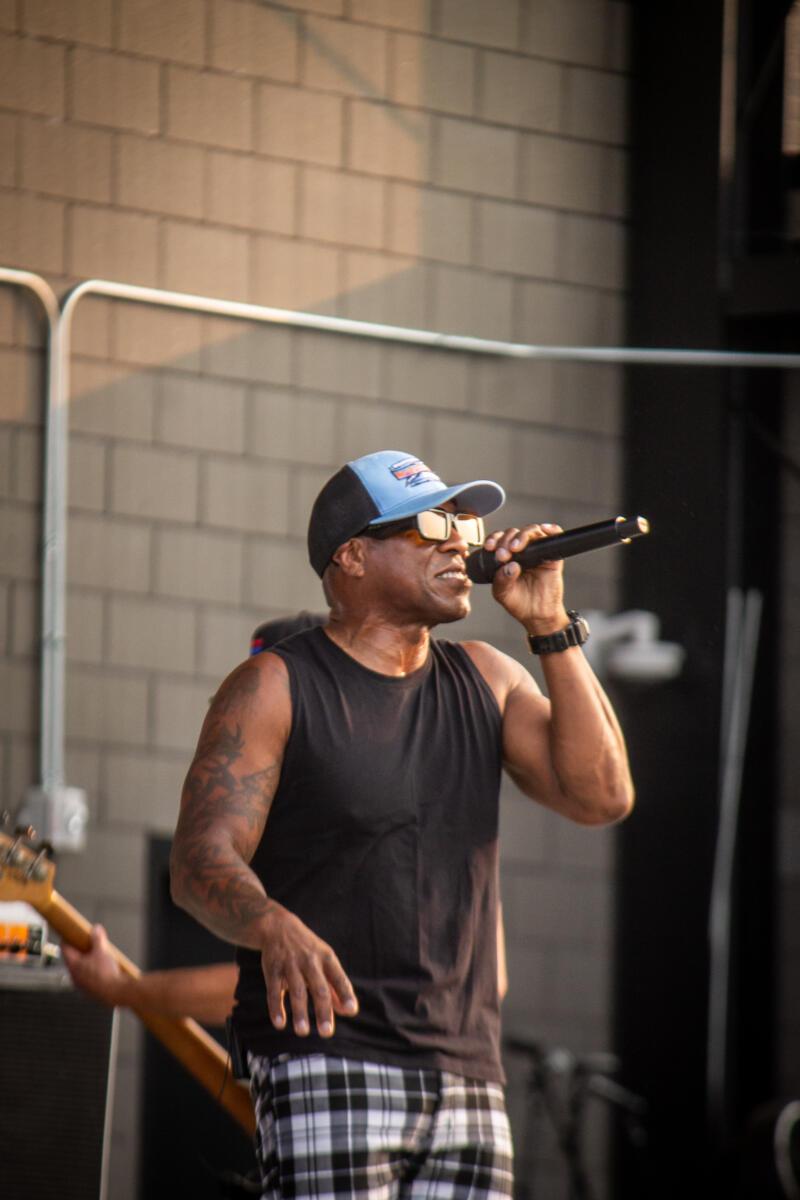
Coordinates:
26	872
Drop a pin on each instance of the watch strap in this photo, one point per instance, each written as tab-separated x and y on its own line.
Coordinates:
576	633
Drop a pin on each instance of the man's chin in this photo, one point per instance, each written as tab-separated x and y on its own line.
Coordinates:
458	608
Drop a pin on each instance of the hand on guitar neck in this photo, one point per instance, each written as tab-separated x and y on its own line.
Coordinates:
205	993
27	874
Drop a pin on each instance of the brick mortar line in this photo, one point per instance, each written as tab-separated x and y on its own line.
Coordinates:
438	114
623	219
177	754
135	674
111	671
448	40
208	30
169	139
342	247
516	423
206	67
9	608
300	390
114	441
345	248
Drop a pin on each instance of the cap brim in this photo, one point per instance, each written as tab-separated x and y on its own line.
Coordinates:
480	497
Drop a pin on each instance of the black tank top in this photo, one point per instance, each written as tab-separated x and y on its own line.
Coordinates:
382	838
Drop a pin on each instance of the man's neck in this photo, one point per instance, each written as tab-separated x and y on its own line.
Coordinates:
375	642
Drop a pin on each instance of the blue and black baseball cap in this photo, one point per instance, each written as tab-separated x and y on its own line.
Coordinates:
383	487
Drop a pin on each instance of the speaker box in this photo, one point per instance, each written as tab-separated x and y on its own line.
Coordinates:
57	1056
190	1147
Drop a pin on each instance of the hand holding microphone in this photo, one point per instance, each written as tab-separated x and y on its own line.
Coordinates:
482	565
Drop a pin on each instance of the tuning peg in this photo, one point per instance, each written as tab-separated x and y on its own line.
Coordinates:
27	832
36	869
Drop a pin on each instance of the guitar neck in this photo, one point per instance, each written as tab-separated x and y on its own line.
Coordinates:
195	1049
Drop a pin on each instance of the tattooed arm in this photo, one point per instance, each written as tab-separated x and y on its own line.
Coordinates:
224	808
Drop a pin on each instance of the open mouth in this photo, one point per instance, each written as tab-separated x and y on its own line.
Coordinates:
454	573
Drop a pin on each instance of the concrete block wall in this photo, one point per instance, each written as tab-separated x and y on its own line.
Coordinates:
449	164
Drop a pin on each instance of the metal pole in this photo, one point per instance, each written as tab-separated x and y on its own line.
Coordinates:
51	698
420	337
741	642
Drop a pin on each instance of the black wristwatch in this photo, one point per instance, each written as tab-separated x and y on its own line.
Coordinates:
574	634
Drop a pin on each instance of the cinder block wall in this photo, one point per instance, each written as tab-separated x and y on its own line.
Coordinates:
449	164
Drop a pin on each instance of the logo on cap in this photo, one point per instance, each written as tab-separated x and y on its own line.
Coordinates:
412	472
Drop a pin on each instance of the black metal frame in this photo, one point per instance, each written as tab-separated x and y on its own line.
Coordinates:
700	460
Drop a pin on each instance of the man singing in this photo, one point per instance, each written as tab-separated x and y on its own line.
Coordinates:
339	824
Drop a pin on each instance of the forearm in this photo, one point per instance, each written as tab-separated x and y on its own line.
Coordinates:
586	743
205	993
212	882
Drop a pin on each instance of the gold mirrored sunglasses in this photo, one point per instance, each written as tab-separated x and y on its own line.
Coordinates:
434	525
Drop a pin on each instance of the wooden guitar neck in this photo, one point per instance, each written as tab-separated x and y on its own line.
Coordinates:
183	1037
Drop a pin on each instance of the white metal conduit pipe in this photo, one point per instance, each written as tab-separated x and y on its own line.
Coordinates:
54	596
53	639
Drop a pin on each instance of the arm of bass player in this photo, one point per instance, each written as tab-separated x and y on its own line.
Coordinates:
204	993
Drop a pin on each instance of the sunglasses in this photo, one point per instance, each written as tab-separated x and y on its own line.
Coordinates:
434	525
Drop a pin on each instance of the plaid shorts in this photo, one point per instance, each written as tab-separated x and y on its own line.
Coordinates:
333	1127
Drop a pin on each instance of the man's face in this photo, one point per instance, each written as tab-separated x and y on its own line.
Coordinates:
419	579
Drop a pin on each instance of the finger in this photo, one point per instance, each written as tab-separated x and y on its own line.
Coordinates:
345	1001
276	987
298	994
505	577
545	529
504	544
321	997
491	541
531	533
523	538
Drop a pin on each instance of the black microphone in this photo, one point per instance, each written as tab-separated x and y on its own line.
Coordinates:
482	564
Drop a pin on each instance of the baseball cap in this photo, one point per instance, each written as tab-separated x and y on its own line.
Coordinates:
382	487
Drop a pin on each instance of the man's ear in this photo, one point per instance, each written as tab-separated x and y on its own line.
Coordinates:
350	558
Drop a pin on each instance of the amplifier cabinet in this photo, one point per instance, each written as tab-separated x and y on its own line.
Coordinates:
56	1084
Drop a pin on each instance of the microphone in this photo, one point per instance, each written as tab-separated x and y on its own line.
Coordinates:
482	564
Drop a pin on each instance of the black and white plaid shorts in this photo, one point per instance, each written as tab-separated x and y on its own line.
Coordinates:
334	1127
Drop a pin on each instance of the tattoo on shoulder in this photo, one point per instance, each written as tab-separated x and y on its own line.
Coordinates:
237	689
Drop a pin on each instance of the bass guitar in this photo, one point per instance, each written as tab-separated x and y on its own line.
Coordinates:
27	874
